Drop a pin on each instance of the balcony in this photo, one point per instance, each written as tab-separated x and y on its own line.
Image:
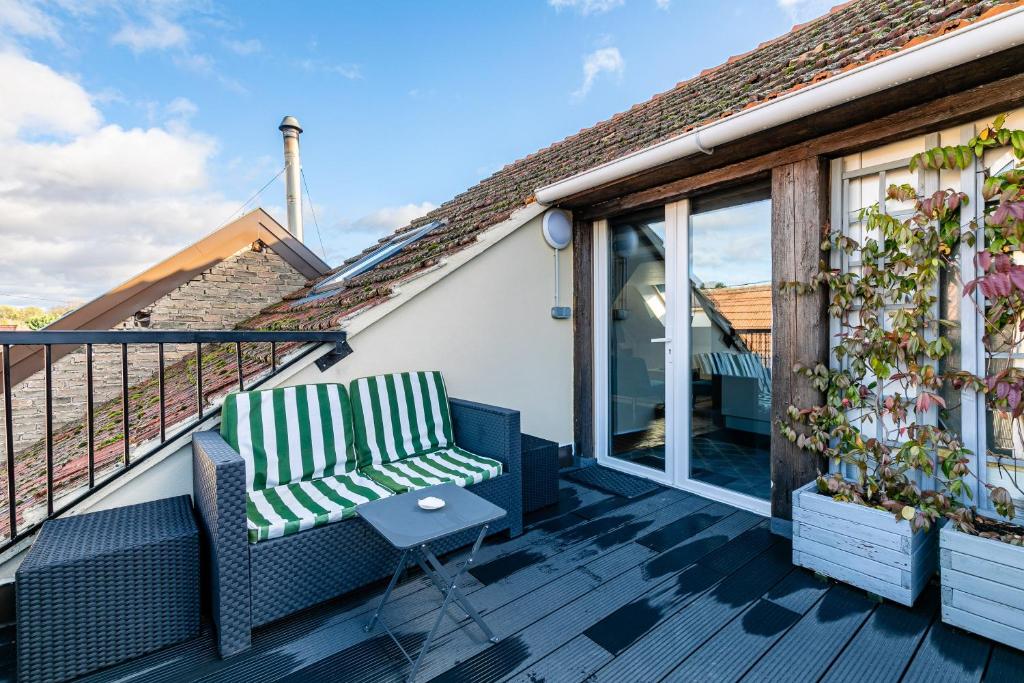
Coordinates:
668	586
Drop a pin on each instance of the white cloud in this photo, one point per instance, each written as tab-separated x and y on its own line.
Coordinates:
205	65
181	108
349	237
27	21
159	34
805	10
39	101
586	7
89	203
350	71
663	4
393	217
604	60
244	47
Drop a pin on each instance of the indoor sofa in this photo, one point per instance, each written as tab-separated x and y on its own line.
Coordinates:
277	490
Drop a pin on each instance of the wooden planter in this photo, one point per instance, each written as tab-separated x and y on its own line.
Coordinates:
861	546
982	586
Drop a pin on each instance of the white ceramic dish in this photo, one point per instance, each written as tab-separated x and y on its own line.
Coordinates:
430	503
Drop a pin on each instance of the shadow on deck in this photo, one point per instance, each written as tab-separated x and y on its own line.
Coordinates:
669	587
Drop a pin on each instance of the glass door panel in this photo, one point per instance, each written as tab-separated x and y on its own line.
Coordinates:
731	341
637	317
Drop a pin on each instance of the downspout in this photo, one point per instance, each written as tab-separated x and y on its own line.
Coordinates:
977	40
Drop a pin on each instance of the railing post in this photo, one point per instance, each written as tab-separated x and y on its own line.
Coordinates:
124	402
199	379
48	384
90	416
238	363
163	393
12	502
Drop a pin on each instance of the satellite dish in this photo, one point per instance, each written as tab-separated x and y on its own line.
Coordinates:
557	227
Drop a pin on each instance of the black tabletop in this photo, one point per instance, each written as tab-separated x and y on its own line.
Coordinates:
403	524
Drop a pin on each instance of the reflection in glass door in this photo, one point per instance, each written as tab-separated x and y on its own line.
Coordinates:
637	318
731	341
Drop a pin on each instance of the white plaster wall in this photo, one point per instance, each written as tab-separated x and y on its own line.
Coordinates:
488	327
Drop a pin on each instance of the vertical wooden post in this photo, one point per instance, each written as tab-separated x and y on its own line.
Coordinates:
800	211
583	337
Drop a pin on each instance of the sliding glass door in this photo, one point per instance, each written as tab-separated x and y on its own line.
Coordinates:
683	334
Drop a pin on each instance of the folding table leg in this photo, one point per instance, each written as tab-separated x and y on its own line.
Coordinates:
459	597
441	580
448	596
387	593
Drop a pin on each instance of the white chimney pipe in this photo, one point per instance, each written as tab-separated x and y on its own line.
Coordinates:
290	129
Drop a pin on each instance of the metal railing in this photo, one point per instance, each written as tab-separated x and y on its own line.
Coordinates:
297	345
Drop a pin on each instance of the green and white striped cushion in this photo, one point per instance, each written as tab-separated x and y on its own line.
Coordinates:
290	434
398	416
290	508
417	472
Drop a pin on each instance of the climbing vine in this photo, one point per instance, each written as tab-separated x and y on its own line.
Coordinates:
888	397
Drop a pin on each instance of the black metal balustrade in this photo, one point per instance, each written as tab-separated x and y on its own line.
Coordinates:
300	345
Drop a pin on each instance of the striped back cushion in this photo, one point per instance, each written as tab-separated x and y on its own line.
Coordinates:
400	415
290	434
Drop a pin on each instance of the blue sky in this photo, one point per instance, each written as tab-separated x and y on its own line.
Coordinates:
146	126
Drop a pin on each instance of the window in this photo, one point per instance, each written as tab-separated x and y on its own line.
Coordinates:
389	249
858	181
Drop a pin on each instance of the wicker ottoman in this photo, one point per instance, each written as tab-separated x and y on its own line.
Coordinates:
103	587
540	473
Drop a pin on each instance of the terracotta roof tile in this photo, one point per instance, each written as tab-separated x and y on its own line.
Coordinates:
747	307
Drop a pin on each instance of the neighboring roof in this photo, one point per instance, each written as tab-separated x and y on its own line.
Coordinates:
747	307
123	301
848	36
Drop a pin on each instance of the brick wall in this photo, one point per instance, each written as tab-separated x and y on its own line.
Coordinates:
217	299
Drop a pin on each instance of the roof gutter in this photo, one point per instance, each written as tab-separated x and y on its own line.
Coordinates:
977	40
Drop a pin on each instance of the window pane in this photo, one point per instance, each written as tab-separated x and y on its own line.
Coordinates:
1005	439
731	345
636	319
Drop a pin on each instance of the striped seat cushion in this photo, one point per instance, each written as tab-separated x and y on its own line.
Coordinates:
290	508
445	465
399	416
290	434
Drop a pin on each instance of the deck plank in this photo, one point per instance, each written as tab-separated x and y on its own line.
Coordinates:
884	646
1006	665
693	621
738	645
948	655
808	649
571	496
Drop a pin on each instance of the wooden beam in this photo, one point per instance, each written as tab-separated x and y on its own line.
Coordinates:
800	211
583	337
977	102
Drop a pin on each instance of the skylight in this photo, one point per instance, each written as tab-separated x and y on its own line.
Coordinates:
386	251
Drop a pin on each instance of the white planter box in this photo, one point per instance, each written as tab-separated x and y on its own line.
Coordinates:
861	546
983	586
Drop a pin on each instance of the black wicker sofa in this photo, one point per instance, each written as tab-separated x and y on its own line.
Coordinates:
259	565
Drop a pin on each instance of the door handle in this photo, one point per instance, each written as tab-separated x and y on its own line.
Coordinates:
661	340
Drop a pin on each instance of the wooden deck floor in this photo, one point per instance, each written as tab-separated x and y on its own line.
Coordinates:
669	587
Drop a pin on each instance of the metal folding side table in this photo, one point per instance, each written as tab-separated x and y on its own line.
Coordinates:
410	529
